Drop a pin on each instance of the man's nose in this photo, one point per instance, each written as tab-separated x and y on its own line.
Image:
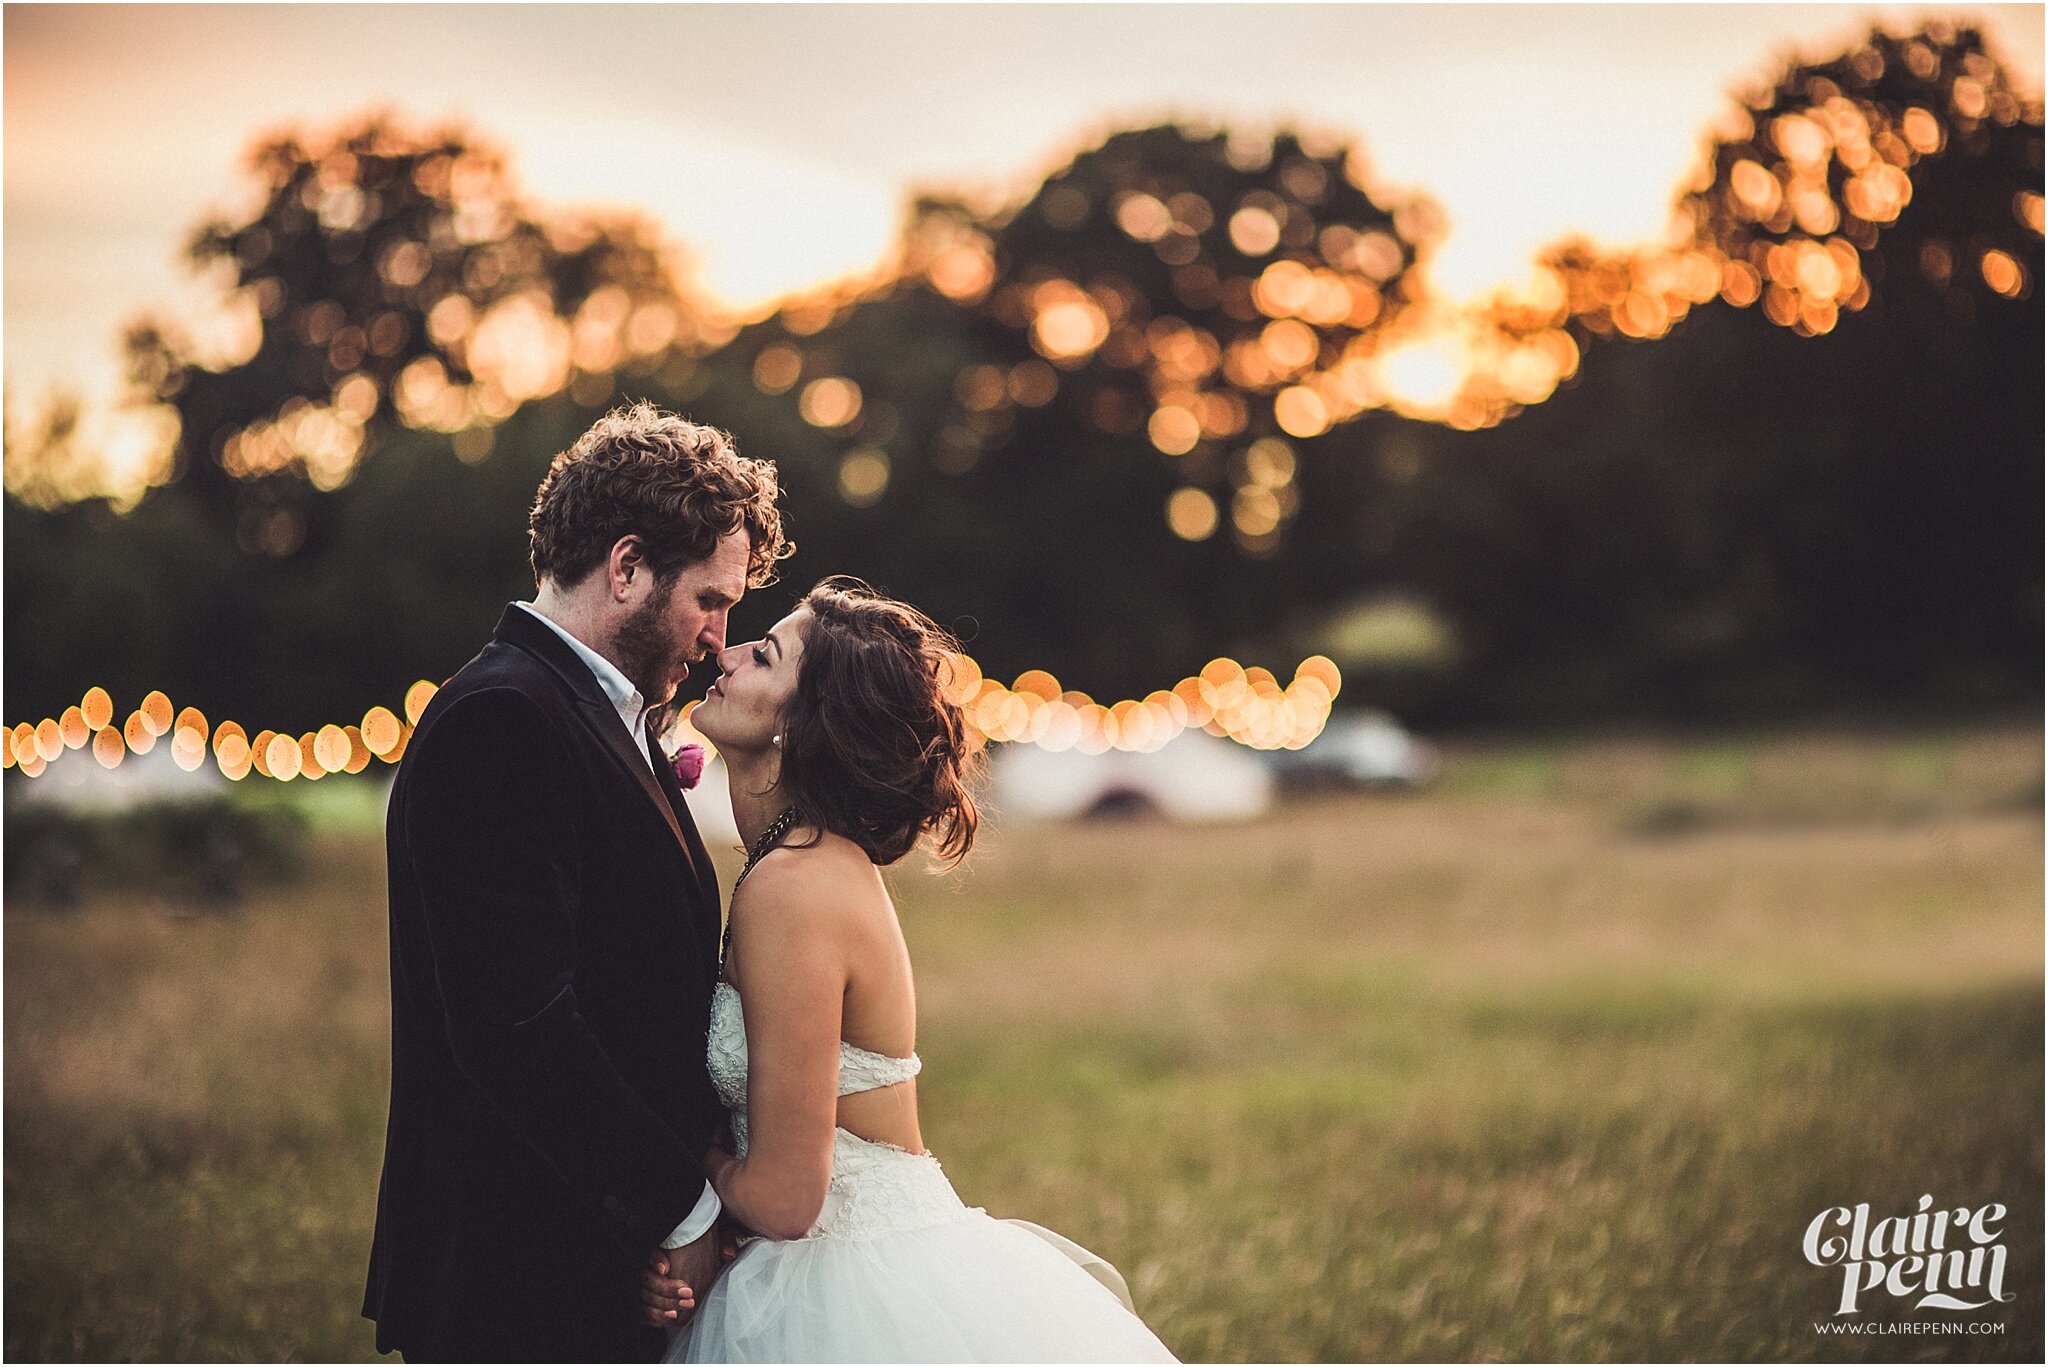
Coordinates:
713	637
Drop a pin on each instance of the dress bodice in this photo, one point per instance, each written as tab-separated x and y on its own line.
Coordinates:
876	1187
860	1070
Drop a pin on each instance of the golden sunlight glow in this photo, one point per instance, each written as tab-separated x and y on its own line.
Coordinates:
1143	217
117	452
1269	461
1254	231
864	476
1191	513
777	368
830	402
1174	430
521	347
963	273
2003	274
1922	131
1069	325
1032	384
1301	412
1423	376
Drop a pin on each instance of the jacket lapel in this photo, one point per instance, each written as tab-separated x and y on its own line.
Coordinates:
707	876
519	628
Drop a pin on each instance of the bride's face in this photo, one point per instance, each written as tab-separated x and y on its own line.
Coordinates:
742	711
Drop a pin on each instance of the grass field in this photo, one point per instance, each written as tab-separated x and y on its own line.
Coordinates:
1556	1061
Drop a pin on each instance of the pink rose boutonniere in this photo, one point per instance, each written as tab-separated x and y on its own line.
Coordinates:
689	764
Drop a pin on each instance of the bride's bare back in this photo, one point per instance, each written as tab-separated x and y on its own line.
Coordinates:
816	942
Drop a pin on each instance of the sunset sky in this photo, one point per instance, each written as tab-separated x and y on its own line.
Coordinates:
779	144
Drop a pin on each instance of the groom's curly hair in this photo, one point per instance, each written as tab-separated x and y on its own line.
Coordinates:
676	484
873	748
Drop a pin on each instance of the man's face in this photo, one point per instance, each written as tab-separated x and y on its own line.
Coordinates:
677	623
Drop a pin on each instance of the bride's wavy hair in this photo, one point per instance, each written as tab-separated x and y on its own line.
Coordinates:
872	748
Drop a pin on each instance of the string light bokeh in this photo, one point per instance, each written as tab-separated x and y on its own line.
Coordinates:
1247	705
89	724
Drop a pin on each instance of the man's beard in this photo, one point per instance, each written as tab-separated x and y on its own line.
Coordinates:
648	654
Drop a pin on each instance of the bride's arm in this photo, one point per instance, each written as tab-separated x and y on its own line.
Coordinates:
789	957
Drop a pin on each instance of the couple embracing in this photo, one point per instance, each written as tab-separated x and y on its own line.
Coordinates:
616	1133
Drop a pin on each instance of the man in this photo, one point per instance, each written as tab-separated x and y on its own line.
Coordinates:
555	923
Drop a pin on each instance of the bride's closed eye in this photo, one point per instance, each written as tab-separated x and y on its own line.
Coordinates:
761	655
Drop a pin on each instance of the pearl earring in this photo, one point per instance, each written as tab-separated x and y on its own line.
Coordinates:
775	740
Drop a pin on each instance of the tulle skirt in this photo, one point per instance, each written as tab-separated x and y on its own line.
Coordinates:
955	1286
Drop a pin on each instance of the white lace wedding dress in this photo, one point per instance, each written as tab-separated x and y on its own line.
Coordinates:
897	1269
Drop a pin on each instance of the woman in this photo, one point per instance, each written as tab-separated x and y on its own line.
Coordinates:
842	751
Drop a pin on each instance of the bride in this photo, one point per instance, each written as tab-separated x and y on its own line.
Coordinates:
842	751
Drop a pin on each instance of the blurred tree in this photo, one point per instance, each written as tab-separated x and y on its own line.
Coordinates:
1919	143
1001	428
1756	520
388	274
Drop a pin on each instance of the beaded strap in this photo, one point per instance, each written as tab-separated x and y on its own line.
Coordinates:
768	840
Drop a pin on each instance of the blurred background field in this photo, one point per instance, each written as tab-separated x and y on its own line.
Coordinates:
1553	1061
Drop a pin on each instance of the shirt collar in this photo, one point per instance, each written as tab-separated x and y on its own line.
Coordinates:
617	687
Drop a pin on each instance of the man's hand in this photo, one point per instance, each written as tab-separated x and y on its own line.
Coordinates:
669	1286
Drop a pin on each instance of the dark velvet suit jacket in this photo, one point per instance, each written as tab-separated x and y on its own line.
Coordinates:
554	941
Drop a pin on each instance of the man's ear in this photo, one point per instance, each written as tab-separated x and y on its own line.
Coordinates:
626	563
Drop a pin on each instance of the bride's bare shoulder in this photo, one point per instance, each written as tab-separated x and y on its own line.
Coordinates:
829	885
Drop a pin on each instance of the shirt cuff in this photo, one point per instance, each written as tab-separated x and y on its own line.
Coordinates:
701	1218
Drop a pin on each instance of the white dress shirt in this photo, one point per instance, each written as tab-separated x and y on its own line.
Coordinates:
633	715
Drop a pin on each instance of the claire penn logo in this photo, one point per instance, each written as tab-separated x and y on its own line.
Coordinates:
1953	1259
